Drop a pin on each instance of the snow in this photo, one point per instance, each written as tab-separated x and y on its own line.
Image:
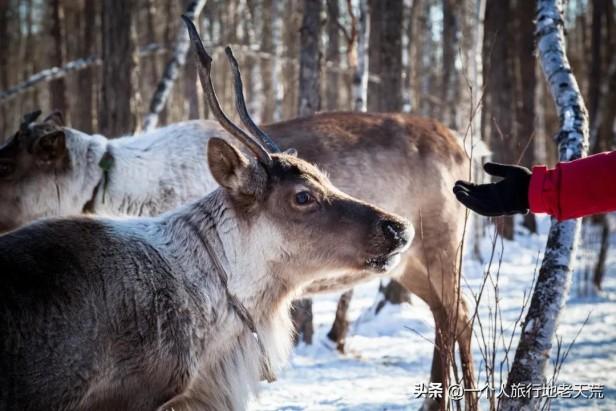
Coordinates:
390	354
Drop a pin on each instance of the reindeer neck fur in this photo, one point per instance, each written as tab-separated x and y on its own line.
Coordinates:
157	171
230	370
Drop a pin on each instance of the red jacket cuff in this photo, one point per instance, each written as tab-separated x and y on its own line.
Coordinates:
536	200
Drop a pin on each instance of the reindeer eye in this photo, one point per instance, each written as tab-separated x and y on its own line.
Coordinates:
303	198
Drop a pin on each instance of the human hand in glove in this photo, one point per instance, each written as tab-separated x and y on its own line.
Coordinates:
505	197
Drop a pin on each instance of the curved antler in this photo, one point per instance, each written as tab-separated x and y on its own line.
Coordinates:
240	105
208	89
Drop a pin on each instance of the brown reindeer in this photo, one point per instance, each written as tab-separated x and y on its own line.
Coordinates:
406	165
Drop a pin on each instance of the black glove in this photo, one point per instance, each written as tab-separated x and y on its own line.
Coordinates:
508	196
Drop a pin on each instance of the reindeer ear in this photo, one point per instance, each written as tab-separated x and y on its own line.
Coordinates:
29	119
50	147
233	170
56	118
226	163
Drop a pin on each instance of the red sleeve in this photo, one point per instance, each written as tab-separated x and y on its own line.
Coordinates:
575	188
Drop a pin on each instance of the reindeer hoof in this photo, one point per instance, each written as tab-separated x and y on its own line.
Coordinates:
328	344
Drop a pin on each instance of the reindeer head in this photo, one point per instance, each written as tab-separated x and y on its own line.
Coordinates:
316	228
38	175
36	146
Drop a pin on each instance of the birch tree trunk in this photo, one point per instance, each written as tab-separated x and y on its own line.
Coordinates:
309	102
173	67
555	274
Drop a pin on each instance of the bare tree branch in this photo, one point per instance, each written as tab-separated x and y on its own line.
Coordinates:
54	73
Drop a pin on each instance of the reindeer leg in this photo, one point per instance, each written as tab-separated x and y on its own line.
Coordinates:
464	339
443	352
415	279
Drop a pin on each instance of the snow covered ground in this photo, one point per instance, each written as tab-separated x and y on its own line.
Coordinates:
390	354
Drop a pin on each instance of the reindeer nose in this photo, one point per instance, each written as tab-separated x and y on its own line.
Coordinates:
398	232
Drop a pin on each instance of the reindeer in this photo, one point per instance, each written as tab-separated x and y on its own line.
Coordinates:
49	170
161	313
403	163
